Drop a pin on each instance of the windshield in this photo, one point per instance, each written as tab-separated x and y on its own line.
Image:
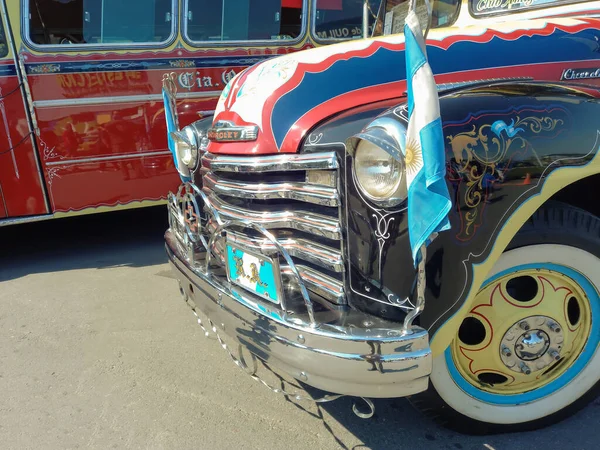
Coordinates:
391	19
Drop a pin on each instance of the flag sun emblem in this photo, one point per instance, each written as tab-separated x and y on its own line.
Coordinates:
413	157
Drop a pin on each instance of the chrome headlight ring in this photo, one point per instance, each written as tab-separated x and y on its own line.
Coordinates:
378	167
191	142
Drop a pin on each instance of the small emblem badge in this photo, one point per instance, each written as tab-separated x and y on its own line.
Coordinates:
224	131
580	74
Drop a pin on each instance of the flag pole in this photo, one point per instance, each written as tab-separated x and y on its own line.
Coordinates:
428	197
365	23
421	279
421	285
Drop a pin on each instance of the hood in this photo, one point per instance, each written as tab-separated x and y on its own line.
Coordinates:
286	96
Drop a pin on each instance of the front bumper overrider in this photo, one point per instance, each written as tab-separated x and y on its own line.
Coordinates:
348	353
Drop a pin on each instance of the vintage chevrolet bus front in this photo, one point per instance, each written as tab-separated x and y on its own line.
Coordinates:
289	234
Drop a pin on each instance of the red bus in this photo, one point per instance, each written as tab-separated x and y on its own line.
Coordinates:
83	126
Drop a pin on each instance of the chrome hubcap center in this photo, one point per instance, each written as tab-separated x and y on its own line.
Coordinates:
532	344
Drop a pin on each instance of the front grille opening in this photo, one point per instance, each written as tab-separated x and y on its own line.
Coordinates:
264	177
279	205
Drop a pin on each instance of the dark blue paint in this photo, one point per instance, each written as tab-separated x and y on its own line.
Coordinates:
386	66
8	70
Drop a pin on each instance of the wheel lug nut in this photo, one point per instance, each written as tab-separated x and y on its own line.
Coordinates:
540	335
506	351
554	354
554	327
524	325
527	336
519	346
525	368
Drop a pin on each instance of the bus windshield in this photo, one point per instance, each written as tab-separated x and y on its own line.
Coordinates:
391	19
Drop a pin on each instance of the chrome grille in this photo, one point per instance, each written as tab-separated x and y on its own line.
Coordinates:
274	192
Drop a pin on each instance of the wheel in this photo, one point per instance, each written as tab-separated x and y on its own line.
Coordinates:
526	355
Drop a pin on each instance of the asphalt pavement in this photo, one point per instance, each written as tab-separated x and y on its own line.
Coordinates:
99	351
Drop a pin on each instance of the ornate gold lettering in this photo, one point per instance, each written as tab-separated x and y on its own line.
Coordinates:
255	276
239	267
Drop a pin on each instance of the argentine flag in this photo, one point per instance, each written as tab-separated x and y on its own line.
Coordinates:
428	198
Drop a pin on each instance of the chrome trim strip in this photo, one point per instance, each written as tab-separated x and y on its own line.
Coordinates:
271	163
317	282
305	192
106	158
321	255
316	224
3	200
85	101
18	220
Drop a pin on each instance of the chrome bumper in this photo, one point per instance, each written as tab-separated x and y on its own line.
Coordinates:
347	353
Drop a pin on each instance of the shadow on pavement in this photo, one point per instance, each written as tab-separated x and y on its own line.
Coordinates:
398	425
123	238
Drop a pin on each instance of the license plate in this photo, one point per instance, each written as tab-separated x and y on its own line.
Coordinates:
254	272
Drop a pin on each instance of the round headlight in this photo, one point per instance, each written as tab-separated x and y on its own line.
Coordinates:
186	147
378	174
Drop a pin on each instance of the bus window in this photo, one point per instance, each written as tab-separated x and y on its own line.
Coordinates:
243	20
342	19
53	22
391	21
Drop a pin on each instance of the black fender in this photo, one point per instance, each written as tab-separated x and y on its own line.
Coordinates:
509	147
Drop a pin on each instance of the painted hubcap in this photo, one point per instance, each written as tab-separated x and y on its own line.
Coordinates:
533	343
525	330
532	346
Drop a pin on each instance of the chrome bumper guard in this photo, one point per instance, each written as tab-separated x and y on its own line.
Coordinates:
343	352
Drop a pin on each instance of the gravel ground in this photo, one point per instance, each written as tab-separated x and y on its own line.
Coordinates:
99	351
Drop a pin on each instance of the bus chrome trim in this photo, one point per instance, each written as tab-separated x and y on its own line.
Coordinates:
119	99
106	158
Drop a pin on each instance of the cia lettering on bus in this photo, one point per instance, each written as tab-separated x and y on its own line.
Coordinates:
190	80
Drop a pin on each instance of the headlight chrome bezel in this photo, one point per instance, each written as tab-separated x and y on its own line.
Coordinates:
389	135
190	143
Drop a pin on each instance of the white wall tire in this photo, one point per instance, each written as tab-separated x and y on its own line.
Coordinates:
459	405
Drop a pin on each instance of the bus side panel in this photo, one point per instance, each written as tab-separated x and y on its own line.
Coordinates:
20	182
103	139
